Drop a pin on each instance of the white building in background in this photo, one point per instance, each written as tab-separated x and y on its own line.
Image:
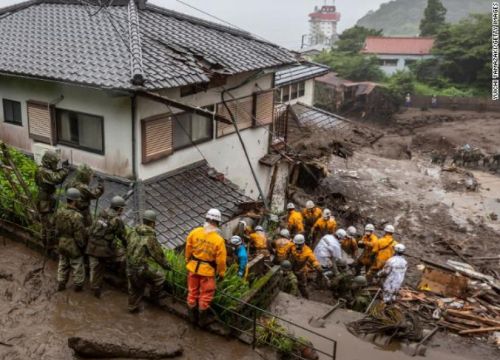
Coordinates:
398	53
322	27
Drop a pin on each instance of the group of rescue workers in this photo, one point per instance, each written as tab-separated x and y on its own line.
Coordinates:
309	242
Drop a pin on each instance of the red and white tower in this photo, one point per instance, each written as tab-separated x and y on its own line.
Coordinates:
323	24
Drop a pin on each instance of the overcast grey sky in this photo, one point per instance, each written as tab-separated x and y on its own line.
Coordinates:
280	21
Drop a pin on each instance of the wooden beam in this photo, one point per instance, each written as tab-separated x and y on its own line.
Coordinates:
480	330
182	106
469	316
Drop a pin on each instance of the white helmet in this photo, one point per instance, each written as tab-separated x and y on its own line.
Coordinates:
341	234
290	206
309	204
351	230
399	248
236	240
285	233
369	227
259	228
389	229
214	214
299	239
327	213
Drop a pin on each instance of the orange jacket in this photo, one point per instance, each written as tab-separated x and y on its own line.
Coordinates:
311	216
366	257
300	259
258	240
323	227
295	222
350	246
384	249
205	253
281	246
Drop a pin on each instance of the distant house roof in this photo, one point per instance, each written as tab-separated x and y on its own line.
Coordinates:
299	73
68	41
180	198
309	116
398	45
333	80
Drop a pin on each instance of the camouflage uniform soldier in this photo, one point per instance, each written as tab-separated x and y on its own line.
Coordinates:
101	249
82	182
289	283
359	298
146	262
47	178
72	237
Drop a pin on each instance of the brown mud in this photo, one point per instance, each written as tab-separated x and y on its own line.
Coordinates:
36	321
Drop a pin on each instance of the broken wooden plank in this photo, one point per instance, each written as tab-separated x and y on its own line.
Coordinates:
469	316
443	283
451	326
480	330
461	321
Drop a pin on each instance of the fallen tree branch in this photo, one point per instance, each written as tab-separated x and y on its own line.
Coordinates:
105	350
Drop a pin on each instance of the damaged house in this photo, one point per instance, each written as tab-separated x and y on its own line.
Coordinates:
145	95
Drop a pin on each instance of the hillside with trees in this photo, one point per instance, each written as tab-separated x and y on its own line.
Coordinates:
403	17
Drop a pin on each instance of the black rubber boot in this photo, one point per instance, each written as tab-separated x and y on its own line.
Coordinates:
97	293
204	319
193	315
78	288
61	286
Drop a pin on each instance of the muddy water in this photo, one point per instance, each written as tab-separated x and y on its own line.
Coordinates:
37	321
300	311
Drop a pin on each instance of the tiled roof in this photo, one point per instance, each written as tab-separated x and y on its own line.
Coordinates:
333	79
398	45
62	41
309	116
182	199
300	73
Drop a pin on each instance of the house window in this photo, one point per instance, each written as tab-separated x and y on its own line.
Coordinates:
12	112
409	62
302	88
285	94
191	129
388	62
294	92
80	130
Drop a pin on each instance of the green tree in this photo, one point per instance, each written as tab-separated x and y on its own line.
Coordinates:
434	18
402	83
465	51
350	66
352	40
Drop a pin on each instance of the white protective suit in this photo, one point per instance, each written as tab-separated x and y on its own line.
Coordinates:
394	270
327	249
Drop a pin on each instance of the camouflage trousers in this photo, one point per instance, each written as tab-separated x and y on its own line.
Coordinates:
97	267
75	265
48	232
138	280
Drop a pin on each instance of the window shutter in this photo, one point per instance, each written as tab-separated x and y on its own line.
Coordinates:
242	110
40	121
264	108
157	137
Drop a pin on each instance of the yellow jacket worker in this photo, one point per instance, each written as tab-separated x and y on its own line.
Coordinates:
384	248
205	258
295	220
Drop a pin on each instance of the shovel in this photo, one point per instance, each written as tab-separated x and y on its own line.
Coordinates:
415	349
319	322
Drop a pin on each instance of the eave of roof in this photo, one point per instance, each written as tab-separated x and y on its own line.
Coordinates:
299	73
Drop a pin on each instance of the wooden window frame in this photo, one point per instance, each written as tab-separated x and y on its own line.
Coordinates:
77	146
191	143
164	154
53	129
13	122
255	124
250	97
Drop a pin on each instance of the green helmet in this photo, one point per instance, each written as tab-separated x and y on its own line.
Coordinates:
50	159
360	280
84	174
117	202
73	194
286	265
149	215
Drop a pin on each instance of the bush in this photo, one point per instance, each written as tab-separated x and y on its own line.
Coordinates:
354	67
402	83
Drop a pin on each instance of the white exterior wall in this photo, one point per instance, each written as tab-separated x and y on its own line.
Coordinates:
390	70
116	111
308	97
225	154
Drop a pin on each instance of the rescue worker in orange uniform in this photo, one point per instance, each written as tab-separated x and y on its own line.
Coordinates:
350	242
323	226
295	220
258	242
383	249
280	246
367	243
205	258
302	258
311	213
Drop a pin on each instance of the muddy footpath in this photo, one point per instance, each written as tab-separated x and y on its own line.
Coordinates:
36	321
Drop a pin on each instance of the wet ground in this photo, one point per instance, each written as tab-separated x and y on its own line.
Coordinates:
36	321
349	347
